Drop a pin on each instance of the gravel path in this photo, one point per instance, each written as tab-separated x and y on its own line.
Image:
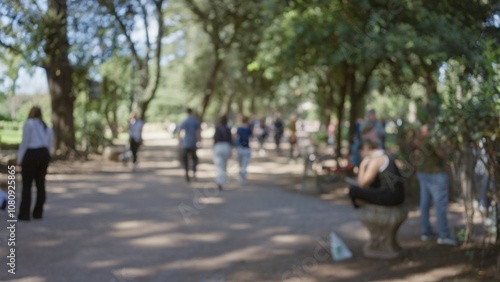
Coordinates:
104	223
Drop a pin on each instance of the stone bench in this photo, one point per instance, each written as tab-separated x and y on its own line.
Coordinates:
382	223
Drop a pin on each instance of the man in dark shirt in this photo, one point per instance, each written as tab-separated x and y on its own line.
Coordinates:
279	129
192	135
244	133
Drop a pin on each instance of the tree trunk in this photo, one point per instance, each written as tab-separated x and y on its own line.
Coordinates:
431	104
111	122
210	86
59	72
348	77
329	104
226	105
338	130
469	212
253	106
241	106
353	117
356	99
466	180
354	110
114	121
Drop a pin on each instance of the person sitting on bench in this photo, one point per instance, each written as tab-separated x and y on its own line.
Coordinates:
379	180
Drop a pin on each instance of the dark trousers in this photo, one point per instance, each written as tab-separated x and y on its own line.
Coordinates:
34	167
134	147
186	153
293	148
277	140
384	197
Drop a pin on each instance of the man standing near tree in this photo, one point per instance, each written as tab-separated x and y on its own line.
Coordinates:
371	120
191	130
434	186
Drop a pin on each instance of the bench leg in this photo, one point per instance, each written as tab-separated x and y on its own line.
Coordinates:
383	242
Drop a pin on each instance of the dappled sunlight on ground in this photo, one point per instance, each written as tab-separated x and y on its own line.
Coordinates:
105	223
290	239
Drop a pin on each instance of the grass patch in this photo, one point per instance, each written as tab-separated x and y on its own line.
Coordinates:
9	136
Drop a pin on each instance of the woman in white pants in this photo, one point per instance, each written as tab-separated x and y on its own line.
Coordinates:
222	150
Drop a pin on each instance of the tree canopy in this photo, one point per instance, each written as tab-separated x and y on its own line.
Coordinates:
253	57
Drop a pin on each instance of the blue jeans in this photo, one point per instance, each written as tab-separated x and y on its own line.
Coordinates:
484	186
244	155
222	152
434	186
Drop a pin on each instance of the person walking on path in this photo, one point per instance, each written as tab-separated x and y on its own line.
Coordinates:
292	127
433	187
355	158
244	132
279	129
135	132
262	131
222	151
191	129
371	120
33	157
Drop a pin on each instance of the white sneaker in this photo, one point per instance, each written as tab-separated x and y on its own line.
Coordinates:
447	241
426	237
134	167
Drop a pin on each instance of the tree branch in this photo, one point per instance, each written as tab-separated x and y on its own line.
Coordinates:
196	10
202	16
18	51
37	6
133	50
146	26
12	48
367	75
153	86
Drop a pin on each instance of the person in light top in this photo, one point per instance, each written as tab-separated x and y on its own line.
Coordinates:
135	132
223	142
34	156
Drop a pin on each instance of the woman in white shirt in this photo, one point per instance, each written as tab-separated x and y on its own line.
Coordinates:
135	132
34	157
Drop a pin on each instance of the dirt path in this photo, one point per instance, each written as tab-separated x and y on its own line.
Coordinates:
104	223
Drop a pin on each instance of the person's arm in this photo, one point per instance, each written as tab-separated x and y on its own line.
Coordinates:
231	137
140	131
198	133
441	153
24	142
236	136
369	169
180	129
217	134
51	141
442	150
